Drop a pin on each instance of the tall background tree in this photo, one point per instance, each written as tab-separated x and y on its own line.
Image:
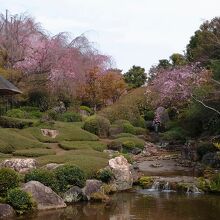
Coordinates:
135	77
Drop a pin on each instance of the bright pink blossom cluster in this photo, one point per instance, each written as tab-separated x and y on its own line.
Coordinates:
175	86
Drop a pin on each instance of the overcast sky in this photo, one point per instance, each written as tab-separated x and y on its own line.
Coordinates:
133	32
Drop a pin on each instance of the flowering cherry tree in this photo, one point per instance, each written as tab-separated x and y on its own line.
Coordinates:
63	62
175	86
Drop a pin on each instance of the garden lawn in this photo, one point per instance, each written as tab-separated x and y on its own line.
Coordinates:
12	138
67	132
89	160
76	145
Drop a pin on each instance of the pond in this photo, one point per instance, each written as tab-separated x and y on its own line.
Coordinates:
140	204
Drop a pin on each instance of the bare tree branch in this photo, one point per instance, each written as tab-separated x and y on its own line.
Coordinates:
215	81
206	106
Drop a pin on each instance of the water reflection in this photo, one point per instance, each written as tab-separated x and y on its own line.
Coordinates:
140	205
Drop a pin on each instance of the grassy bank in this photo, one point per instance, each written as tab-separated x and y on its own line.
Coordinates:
76	146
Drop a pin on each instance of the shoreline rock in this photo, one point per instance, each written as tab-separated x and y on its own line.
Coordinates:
122	173
6	211
44	196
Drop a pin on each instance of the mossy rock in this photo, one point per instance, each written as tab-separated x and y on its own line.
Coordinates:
145	181
109	189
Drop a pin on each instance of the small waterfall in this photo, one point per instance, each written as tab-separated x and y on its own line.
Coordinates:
166	187
154	187
193	189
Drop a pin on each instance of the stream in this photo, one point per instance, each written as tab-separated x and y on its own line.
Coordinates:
160	202
140	204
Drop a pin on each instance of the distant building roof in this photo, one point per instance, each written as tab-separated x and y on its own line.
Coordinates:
7	88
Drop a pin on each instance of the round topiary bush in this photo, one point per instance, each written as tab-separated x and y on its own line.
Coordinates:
69	175
97	125
128	128
128	145
140	131
43	176
70	117
21	201
9	179
105	175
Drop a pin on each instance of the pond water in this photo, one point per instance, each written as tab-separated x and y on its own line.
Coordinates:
140	204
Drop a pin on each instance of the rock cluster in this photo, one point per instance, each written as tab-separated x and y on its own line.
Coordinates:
20	165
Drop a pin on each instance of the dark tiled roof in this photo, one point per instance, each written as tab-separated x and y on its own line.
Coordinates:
7	88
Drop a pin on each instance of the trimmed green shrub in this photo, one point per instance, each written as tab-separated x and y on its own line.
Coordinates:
97	125
34	152
16	113
124	126
9	179
32	112
7	122
105	175
140	131
176	133
128	128
24	113
43	176
139	143
79	145
140	123
21	201
69	175
204	148
128	145
70	117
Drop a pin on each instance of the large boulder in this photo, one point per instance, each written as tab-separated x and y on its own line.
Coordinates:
20	165
122	172
49	133
92	186
45	197
6	211
162	114
74	194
